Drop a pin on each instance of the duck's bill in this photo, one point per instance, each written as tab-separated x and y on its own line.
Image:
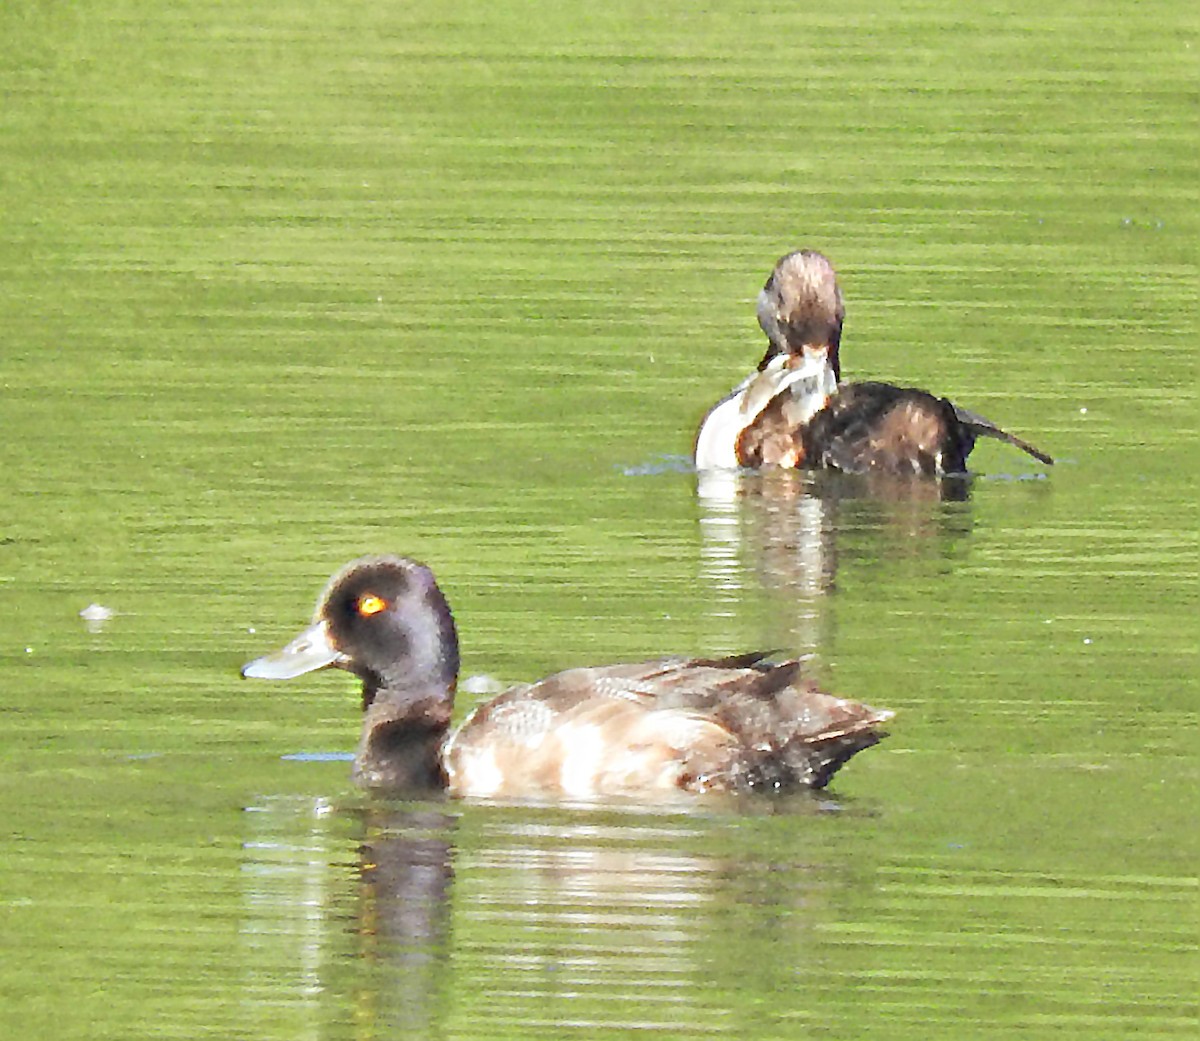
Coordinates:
309	651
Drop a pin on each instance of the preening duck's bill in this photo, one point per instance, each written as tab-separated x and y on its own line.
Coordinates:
309	651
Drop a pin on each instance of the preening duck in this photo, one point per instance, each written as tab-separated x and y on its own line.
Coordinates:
794	411
733	724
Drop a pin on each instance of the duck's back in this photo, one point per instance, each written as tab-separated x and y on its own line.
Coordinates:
877	426
733	724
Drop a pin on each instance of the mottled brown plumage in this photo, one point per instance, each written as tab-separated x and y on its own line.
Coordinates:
732	724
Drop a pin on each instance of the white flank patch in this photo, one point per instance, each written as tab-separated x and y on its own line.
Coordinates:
478	774
583	756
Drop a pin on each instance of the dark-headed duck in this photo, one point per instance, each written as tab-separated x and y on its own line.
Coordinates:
794	411
728	724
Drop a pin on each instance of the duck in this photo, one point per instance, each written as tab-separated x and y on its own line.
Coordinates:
734	724
794	411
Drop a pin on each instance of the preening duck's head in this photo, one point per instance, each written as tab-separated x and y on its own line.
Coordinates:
800	308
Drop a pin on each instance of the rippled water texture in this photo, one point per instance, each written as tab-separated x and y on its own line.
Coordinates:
286	283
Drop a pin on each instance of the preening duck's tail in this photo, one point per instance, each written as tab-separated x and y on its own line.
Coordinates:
982	427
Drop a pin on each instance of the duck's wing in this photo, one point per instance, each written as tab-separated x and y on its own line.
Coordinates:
983	427
695	724
870	426
878	427
789	732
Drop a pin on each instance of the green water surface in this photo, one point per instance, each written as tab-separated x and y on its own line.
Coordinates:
283	283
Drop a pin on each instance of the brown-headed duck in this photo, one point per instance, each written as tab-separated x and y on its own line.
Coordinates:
794	411
733	724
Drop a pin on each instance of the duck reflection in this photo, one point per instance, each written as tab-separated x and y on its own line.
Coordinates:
611	921
490	920
403	917
346	906
790	532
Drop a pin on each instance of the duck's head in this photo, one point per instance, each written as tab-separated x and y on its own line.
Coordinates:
384	619
800	309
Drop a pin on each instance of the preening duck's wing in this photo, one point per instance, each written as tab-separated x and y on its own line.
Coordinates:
878	427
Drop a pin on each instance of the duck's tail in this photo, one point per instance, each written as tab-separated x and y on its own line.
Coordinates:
981	427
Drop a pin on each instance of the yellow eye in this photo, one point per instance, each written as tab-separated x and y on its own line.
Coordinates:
369	604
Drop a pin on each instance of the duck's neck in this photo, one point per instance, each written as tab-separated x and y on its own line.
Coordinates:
402	736
407	708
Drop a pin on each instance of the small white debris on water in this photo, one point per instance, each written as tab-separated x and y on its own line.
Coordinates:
1083	411
95	616
1087	639
481	685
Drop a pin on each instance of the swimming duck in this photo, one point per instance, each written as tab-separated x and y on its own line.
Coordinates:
795	412
733	724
